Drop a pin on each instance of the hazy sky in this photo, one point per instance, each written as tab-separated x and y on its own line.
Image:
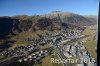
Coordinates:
31	7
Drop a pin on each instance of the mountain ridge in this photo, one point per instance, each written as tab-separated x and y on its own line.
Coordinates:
52	21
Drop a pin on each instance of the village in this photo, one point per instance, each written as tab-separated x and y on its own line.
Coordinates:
59	40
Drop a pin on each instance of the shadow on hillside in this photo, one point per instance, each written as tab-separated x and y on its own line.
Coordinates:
6	45
6	25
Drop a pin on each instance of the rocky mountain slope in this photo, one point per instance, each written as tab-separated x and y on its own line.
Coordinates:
51	22
72	18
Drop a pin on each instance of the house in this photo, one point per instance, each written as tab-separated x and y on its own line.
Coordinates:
67	54
25	59
73	51
29	56
33	54
20	60
66	47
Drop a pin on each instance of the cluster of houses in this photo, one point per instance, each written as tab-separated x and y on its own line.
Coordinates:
25	50
19	51
28	53
80	51
36	56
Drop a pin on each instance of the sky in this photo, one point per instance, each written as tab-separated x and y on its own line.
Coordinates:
31	7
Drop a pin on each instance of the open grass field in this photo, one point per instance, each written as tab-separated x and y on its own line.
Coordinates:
90	43
1	58
90	30
20	38
91	47
47	61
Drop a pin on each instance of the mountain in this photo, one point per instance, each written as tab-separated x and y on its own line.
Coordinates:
53	21
92	18
72	18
